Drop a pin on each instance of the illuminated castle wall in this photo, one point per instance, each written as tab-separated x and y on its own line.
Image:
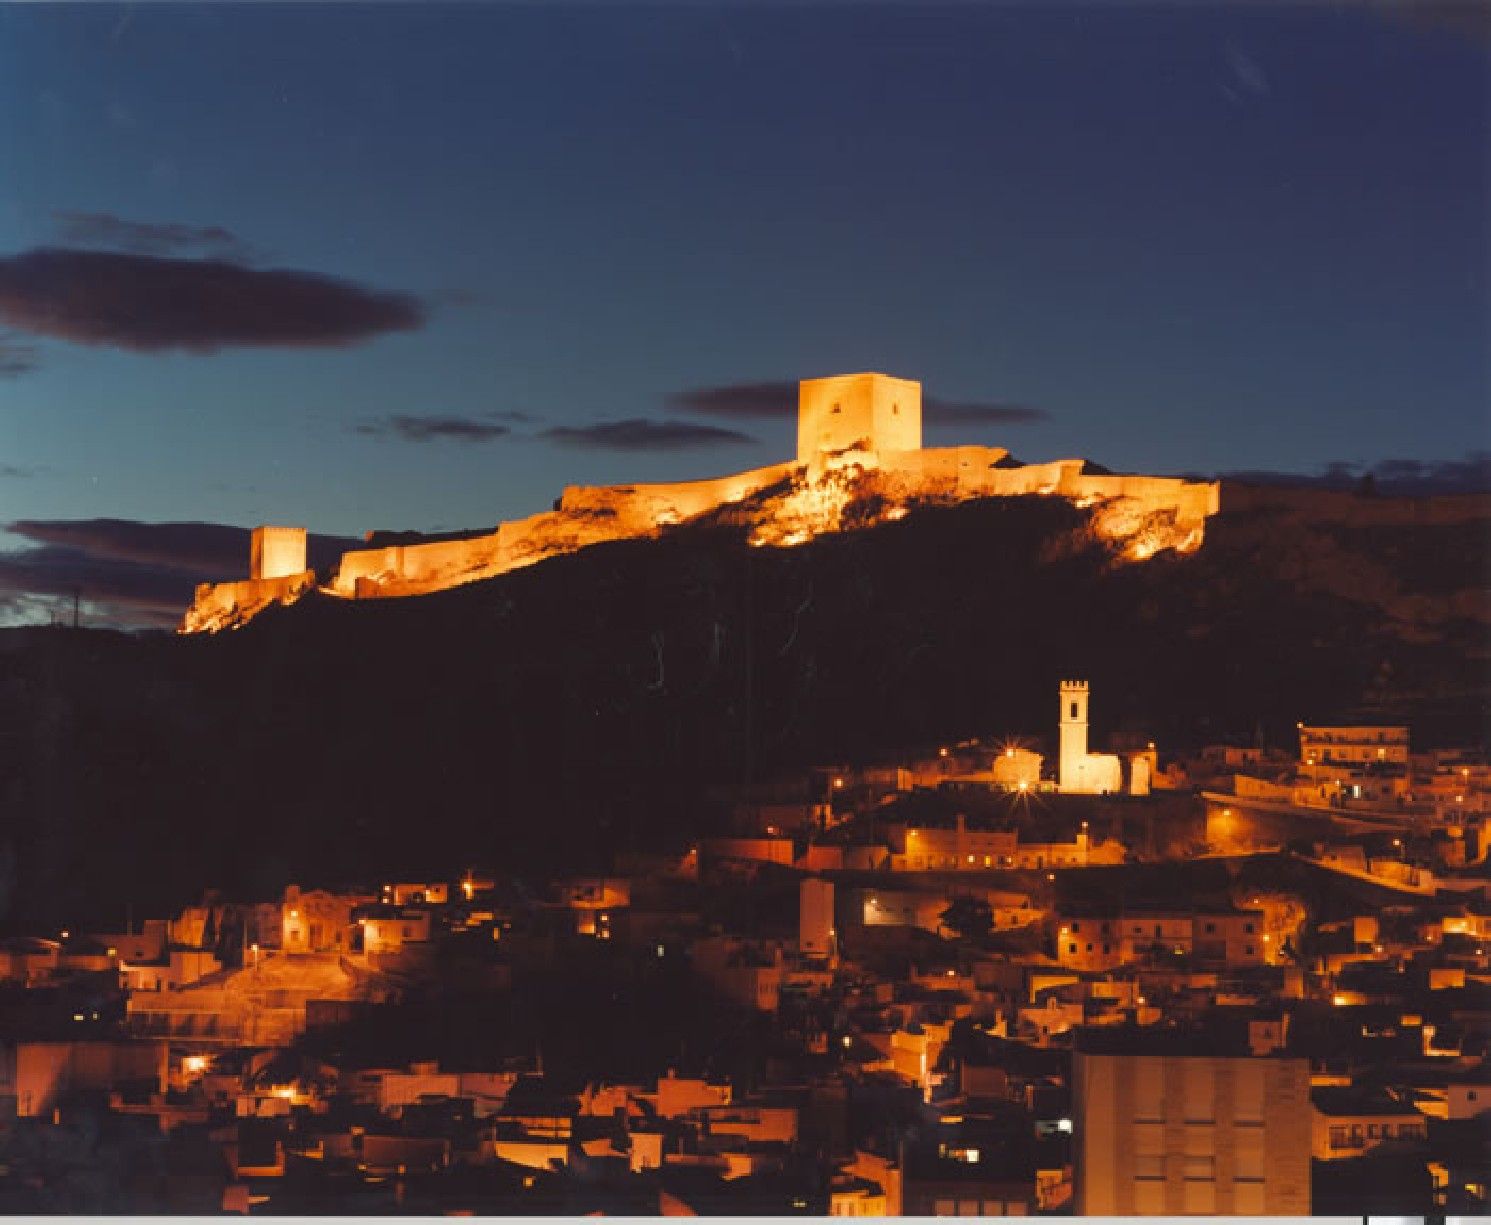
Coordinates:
857	434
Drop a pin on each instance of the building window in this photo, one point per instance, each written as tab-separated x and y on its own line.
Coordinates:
1073	715
1211	928
1247	927
1248	949
1071	948
1076	927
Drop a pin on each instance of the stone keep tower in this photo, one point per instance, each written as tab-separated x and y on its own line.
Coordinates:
1072	774
869	412
276	552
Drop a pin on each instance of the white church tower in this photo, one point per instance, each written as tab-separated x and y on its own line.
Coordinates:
1072	768
1080	772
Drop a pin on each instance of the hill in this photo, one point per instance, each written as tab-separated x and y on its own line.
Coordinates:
558	712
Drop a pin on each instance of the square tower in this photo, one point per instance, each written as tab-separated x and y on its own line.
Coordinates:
867	412
1073	725
276	552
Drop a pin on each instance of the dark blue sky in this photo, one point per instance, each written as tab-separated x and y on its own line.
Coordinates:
1192	239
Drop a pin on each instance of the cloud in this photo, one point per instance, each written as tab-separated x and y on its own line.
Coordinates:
952	412
1407	477
148	237
120	593
127	572
148	304
639	434
15	471
425	429
17	358
779	400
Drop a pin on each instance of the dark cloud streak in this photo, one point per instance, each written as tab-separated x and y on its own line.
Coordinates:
640	434
949	412
17	358
428	429
150	304
148	237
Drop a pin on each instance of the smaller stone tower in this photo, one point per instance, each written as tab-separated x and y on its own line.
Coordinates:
277	552
1072	768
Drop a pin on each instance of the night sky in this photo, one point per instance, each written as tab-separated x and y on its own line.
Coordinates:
379	266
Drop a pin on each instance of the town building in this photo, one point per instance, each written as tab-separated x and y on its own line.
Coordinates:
1163	1128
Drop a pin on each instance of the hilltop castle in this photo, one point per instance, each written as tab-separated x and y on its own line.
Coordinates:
857	434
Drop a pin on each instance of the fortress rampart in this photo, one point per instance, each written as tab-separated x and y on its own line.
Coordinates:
850	427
